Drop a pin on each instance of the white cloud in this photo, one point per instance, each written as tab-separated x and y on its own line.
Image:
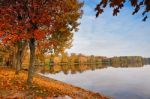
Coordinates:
112	36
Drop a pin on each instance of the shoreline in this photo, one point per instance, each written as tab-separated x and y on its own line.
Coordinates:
52	86
75	91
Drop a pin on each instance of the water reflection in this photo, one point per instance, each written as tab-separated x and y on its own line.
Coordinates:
73	69
120	81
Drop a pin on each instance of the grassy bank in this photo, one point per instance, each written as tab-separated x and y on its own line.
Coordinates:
14	86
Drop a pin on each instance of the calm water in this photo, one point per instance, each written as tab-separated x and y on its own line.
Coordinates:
119	83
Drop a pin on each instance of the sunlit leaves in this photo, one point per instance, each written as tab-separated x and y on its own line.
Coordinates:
35	22
22	20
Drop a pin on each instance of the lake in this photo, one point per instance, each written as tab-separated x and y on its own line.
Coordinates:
127	82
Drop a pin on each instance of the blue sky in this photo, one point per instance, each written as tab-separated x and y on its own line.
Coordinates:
122	35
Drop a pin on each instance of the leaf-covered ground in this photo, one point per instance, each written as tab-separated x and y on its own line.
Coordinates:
14	86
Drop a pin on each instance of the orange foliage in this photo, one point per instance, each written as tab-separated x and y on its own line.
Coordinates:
38	19
14	86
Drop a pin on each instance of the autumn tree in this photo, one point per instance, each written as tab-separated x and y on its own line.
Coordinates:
12	31
64	57
35	21
4	54
63	39
117	5
9	54
73	58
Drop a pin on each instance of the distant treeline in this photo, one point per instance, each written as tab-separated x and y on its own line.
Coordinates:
147	60
80	63
84	60
121	62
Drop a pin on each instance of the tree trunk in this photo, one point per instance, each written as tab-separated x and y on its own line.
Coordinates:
18	63
21	48
31	64
14	60
24	51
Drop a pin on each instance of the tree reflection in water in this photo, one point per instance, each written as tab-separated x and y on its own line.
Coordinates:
77	68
